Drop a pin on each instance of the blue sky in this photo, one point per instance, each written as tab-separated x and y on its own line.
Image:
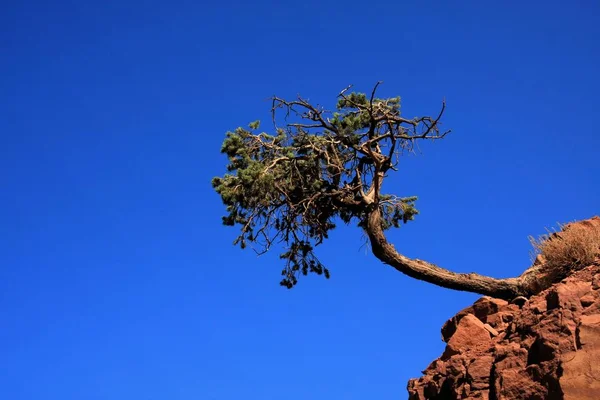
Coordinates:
117	280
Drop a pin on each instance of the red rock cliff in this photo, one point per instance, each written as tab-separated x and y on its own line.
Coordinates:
547	347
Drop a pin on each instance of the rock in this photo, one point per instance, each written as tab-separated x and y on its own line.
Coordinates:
470	335
450	326
500	320
538	305
514	384
596	282
581	368
491	330
520	301
546	348
486	306
483	308
567	295
587	300
479	372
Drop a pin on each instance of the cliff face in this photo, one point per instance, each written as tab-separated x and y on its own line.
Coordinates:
546	347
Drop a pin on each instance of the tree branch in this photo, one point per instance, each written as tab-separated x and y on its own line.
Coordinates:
422	270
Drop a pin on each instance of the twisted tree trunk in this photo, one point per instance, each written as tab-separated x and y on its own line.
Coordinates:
532	281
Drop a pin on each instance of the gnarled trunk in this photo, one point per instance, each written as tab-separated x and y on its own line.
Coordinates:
501	288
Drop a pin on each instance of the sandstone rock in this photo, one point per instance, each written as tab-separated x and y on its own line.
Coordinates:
486	306
520	301
567	295
581	368
538	306
491	330
479	371
514	384
596	282
547	349
500	320
470	335
450	326
587	300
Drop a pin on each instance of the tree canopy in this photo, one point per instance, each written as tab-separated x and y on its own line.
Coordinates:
320	167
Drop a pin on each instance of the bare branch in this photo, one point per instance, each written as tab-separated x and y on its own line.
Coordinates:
373	93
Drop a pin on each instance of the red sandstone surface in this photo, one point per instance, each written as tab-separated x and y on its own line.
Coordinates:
542	348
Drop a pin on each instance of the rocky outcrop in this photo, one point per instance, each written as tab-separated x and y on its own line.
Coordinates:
544	347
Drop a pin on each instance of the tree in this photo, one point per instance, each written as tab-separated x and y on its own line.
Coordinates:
320	167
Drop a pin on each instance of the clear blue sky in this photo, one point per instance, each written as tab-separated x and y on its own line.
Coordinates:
117	280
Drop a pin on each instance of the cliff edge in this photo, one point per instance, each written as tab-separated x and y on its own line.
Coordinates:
541	348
